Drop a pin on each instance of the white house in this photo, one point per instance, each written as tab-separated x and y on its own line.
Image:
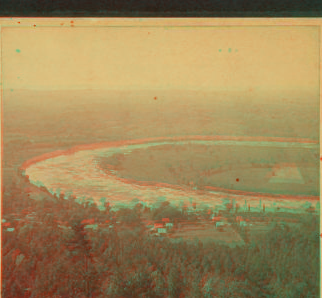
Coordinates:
243	223
219	224
169	225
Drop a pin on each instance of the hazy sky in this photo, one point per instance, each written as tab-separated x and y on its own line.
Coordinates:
215	58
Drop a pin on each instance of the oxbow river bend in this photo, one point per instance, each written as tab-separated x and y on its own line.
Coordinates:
78	173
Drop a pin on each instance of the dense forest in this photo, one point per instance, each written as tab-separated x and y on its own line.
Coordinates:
58	247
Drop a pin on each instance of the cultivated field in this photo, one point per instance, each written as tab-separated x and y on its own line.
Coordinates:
247	167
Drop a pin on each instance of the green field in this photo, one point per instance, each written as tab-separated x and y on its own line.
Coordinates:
265	169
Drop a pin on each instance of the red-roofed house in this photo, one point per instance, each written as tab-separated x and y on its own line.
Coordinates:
165	219
158	225
59	222
88	221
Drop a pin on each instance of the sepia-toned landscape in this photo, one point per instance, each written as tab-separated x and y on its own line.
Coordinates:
164	168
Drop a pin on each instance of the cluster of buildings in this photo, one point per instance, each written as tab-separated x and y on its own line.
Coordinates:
166	225
242	222
162	227
221	221
7	225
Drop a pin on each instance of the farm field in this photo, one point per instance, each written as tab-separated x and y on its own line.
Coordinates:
208	233
287	170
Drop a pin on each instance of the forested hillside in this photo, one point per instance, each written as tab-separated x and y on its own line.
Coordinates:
56	247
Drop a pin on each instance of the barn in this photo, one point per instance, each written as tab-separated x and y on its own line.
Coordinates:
158	225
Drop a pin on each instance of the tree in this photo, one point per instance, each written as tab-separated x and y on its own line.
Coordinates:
173	283
167	211
128	216
229	207
195	291
107	207
80	248
158	283
116	285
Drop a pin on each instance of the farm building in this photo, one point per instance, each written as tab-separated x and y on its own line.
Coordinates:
169	225
243	223
94	227
216	218
219	224
88	221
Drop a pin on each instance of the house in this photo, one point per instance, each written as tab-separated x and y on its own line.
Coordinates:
165	219
216	218
219	224
158	225
239	218
162	230
88	221
94	227
243	223
169	225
